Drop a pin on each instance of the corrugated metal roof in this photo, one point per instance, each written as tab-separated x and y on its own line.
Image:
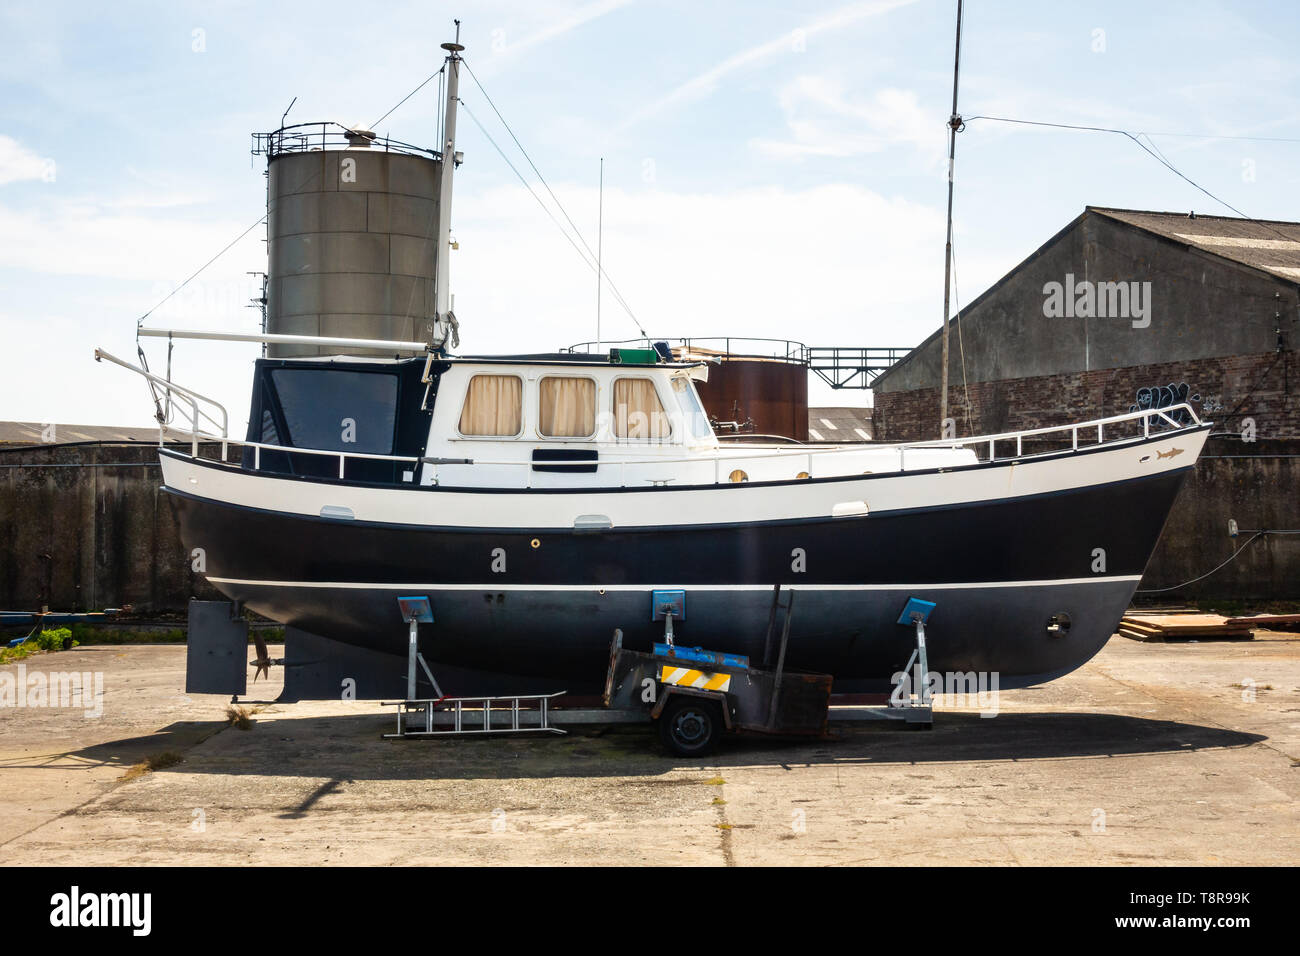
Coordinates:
1262	244
839	424
36	433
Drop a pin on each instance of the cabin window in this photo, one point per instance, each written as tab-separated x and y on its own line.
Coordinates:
697	421
638	413
494	406
337	409
566	407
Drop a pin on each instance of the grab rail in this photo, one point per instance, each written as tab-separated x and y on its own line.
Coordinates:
191	396
804	453
807	452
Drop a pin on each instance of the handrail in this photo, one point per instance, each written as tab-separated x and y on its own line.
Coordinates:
772	452
189	395
306	137
807	452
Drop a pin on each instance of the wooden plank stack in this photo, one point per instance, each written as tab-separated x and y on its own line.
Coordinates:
1185	627
1274	622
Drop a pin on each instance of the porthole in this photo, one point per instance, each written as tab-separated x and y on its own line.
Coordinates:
803	474
738	476
534	544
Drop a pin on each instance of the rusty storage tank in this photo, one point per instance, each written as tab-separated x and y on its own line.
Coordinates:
352	225
755	386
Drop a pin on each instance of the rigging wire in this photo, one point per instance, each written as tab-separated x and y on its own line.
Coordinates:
961	344
409	95
1154	154
546	209
196	272
470	113
601	271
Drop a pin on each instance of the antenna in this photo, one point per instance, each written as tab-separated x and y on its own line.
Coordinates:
955	126
600	235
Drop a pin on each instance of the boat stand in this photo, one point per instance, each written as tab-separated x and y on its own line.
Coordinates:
459	716
917	705
472	716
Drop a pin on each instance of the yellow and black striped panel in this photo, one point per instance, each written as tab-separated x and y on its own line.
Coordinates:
688	677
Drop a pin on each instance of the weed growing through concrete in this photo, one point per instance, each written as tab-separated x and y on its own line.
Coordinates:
158	761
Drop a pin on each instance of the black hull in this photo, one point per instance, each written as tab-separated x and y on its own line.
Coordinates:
997	570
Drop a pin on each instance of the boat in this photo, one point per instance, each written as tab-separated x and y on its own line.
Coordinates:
540	501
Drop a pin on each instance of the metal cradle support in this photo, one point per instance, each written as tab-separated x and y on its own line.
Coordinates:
916	703
443	716
467	716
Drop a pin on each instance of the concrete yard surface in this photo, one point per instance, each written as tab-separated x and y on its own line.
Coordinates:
1179	753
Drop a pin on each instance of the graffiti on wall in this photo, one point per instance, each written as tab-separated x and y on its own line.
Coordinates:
1164	396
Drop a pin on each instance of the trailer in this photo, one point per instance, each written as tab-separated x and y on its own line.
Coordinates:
694	696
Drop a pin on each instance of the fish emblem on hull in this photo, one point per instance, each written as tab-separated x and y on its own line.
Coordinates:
1171	453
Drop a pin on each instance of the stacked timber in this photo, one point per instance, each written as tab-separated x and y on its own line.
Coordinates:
1273	622
1185	627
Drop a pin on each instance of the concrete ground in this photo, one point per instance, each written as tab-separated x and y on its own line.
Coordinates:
1151	754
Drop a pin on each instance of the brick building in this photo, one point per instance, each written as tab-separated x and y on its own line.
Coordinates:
1122	310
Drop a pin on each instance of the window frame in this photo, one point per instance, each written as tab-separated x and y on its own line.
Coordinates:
537	408
672	437
523	407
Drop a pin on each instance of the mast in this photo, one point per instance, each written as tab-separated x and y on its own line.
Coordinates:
442	288
954	127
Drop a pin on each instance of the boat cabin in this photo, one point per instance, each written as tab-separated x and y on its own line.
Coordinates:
630	419
500	421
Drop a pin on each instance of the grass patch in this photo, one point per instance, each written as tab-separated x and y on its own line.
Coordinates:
52	639
158	761
714	782
241	717
723	826
719	802
153	634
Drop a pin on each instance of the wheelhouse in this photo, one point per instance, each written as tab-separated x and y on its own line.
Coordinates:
412	422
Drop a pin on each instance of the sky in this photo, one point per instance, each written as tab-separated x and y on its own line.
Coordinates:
770	169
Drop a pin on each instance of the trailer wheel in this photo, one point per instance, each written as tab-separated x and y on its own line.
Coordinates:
690	727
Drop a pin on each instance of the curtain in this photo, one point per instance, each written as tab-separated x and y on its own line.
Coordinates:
493	406
638	412
566	407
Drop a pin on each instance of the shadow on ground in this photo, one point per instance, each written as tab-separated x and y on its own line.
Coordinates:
351	747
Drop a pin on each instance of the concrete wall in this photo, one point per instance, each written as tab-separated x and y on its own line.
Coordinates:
87	527
1259	491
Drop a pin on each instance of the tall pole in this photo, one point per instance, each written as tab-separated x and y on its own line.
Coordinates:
442	291
954	126
600	236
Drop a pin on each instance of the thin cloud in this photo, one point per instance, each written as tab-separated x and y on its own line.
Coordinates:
706	82
18	163
579	17
823	121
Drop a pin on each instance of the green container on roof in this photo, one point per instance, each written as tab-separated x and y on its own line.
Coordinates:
634	356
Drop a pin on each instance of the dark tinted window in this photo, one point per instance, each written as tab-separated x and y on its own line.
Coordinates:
338	410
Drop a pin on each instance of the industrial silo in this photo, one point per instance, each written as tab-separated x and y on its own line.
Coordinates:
755	386
352	222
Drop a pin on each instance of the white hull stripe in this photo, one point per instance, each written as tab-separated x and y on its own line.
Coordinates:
491	586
